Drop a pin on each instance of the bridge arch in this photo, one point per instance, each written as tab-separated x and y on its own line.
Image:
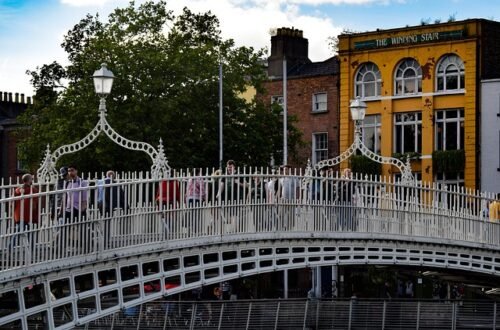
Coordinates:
133	280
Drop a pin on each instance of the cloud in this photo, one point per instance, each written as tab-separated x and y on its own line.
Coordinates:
86	3
249	22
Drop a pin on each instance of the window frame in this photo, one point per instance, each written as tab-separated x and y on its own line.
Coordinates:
315	150
277	99
460	75
377	126
359	80
459	120
418	129
399	77
315	102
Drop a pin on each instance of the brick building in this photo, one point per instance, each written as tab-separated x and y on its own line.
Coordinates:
312	94
11	106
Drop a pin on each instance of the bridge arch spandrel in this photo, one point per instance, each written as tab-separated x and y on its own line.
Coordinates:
141	278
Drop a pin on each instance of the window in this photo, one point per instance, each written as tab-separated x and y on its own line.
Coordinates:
450	73
277	99
450	129
371	133
21	166
319	147
456	179
408	132
368	81
408	78
319	102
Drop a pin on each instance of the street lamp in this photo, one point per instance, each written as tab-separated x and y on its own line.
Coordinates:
103	81
358	111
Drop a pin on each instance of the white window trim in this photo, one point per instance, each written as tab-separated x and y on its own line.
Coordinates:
279	99
314	149
417	78
378	123
314	102
362	82
443	75
406	123
457	120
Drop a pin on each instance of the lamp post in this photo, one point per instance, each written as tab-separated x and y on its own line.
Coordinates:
103	81
358	110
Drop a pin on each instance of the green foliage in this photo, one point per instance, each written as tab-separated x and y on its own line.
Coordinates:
403	156
166	86
448	161
364	165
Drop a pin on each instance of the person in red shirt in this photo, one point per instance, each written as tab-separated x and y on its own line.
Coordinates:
168	194
168	197
25	208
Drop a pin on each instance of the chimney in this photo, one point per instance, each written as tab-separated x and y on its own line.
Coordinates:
289	43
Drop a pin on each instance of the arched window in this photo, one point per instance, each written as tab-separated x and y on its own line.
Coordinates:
368	81
450	73
408	78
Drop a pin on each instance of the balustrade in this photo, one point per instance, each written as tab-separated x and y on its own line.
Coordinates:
139	213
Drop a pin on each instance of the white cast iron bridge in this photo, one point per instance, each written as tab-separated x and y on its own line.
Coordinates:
141	239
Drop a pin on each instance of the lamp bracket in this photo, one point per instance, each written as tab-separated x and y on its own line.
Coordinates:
405	169
160	168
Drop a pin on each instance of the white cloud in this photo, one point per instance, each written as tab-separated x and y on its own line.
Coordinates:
86	3
249	24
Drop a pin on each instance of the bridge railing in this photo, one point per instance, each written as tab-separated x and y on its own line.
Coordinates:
135	213
306	314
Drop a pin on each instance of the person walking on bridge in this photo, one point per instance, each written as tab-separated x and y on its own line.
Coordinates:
25	210
75	212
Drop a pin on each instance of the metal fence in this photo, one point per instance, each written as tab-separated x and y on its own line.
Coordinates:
134	211
306	314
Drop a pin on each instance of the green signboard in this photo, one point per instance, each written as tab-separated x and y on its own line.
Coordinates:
409	39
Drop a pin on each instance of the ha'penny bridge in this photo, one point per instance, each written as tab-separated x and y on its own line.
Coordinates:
141	239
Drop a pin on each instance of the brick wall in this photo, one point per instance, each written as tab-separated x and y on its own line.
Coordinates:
300	91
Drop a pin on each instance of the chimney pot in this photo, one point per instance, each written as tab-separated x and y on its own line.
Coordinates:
22	98
16	97
10	97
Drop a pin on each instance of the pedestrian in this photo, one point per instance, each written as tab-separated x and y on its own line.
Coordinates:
386	291
409	289
25	210
346	195
196	195
110	199
76	212
494	210
168	198
231	193
196	192
289	194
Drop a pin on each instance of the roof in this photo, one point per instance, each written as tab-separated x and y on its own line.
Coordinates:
328	67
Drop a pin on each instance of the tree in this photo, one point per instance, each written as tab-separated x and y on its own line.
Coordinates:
166	87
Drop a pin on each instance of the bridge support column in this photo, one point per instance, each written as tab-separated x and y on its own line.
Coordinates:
317	281
285	284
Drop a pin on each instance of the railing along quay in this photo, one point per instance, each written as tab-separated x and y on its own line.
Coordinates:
353	314
138	213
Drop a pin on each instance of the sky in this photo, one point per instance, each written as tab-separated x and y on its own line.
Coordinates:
31	31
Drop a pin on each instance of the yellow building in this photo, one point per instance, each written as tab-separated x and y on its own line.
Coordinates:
421	85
